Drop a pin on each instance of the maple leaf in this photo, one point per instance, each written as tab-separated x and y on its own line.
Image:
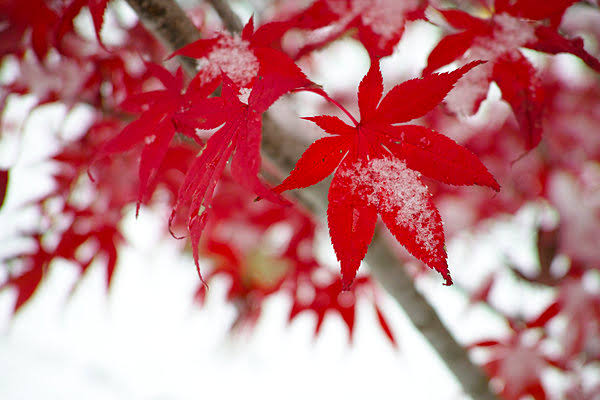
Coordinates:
239	135
379	166
498	39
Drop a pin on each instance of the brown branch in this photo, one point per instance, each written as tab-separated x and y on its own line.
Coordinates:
170	24
230	19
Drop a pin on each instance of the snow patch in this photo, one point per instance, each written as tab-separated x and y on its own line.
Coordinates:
392	187
233	56
244	95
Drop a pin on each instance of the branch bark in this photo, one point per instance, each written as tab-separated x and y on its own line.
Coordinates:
169	23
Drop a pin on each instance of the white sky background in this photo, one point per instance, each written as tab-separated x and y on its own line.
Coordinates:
147	340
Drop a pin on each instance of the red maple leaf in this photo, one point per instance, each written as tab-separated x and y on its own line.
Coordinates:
237	115
379	166
498	39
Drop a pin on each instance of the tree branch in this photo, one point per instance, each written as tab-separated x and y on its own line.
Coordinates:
170	24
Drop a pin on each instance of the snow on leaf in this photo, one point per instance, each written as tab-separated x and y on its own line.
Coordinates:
236	57
405	206
504	35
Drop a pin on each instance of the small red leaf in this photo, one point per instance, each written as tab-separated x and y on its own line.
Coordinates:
248	30
277	75
550	41
552	311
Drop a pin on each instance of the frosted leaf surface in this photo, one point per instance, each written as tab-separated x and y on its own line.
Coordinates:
233	56
390	186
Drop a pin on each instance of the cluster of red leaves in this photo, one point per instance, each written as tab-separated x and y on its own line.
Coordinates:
498	40
83	232
45	28
563	171
204	151
377	24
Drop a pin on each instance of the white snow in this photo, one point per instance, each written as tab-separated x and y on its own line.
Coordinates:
244	95
233	56
392	187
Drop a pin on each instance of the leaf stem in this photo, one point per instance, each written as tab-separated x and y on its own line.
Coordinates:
322	93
